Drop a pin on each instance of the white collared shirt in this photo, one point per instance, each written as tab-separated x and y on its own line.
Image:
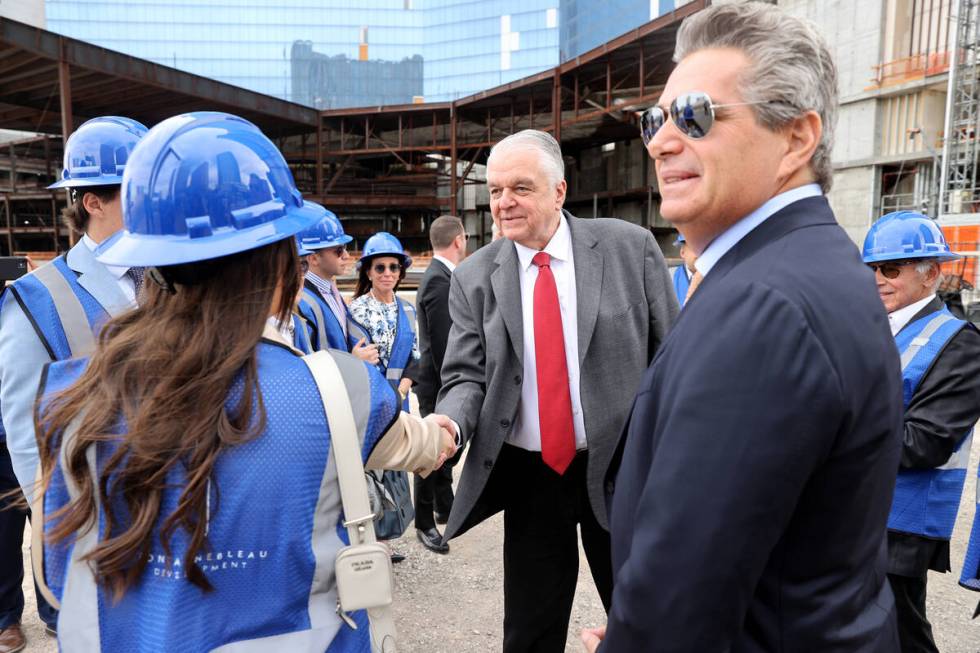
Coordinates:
445	261
118	271
898	319
731	236
526	432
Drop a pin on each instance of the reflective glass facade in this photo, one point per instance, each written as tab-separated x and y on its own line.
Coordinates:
587	24
340	53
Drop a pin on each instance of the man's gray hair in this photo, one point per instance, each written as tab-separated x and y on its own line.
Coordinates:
791	67
546	145
923	267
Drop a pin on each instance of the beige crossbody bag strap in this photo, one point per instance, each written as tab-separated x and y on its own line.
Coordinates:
359	519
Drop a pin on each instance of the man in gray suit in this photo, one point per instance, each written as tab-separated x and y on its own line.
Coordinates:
553	327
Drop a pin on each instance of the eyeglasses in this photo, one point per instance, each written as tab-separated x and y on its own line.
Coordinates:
339	250
890	269
693	114
379	268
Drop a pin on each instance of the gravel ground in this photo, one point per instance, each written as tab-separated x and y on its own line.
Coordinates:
454	603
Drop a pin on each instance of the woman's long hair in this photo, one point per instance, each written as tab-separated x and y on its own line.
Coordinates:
364	283
164	371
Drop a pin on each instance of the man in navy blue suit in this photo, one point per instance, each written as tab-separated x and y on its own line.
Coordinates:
754	482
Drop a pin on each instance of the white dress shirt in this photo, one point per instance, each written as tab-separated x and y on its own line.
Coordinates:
118	271
898	319
731	236
526	432
445	261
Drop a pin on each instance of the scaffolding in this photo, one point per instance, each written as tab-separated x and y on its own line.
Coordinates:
959	191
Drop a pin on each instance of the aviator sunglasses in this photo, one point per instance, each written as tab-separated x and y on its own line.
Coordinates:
693	114
890	269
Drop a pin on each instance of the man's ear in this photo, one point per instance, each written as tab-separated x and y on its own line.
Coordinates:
802	136
560	191
92	203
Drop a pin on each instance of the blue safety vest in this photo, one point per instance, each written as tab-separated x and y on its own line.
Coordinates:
681	284
926	500
274	529
327	333
401	348
970	578
65	316
302	334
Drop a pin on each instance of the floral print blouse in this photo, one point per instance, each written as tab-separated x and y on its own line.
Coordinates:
380	320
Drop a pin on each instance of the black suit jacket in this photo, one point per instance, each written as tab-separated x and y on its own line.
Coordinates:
432	304
942	412
750	507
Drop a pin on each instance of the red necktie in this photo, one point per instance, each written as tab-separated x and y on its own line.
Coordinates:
554	399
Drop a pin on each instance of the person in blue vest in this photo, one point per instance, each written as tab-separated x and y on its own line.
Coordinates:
940	357
49	315
13	518
320	300
684	271
196	434
298	329
390	322
53	313
970	576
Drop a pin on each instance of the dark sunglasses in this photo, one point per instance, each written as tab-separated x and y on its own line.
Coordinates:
379	268
339	250
693	114
890	269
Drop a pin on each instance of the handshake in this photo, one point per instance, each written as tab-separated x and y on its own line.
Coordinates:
450	438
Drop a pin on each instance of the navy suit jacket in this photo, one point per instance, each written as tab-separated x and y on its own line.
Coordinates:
754	484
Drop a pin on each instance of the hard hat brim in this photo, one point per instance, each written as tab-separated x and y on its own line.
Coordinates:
139	250
343	240
406	260
85	182
900	256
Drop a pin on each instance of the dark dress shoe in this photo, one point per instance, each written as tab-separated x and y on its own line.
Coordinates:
432	540
12	639
396	558
442	518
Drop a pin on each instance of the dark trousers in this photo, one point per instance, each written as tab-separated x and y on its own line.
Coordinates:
914	630
433	494
12	521
542	515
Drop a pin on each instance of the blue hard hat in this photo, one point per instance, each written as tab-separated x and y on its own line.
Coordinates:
680	240
328	232
384	244
97	152
905	235
300	250
201	186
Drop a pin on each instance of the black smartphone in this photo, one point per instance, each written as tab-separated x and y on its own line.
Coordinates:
12	267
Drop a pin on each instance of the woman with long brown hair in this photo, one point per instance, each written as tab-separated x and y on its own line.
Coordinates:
191	498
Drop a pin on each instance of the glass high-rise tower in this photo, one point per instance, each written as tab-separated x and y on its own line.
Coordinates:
342	53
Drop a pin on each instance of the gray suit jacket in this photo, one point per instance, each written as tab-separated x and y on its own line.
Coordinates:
23	356
626	303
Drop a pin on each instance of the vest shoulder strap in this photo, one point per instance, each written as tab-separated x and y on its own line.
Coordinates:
70	311
921	343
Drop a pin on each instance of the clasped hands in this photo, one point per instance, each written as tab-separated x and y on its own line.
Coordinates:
448	432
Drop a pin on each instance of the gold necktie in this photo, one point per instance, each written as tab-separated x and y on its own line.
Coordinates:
695	282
